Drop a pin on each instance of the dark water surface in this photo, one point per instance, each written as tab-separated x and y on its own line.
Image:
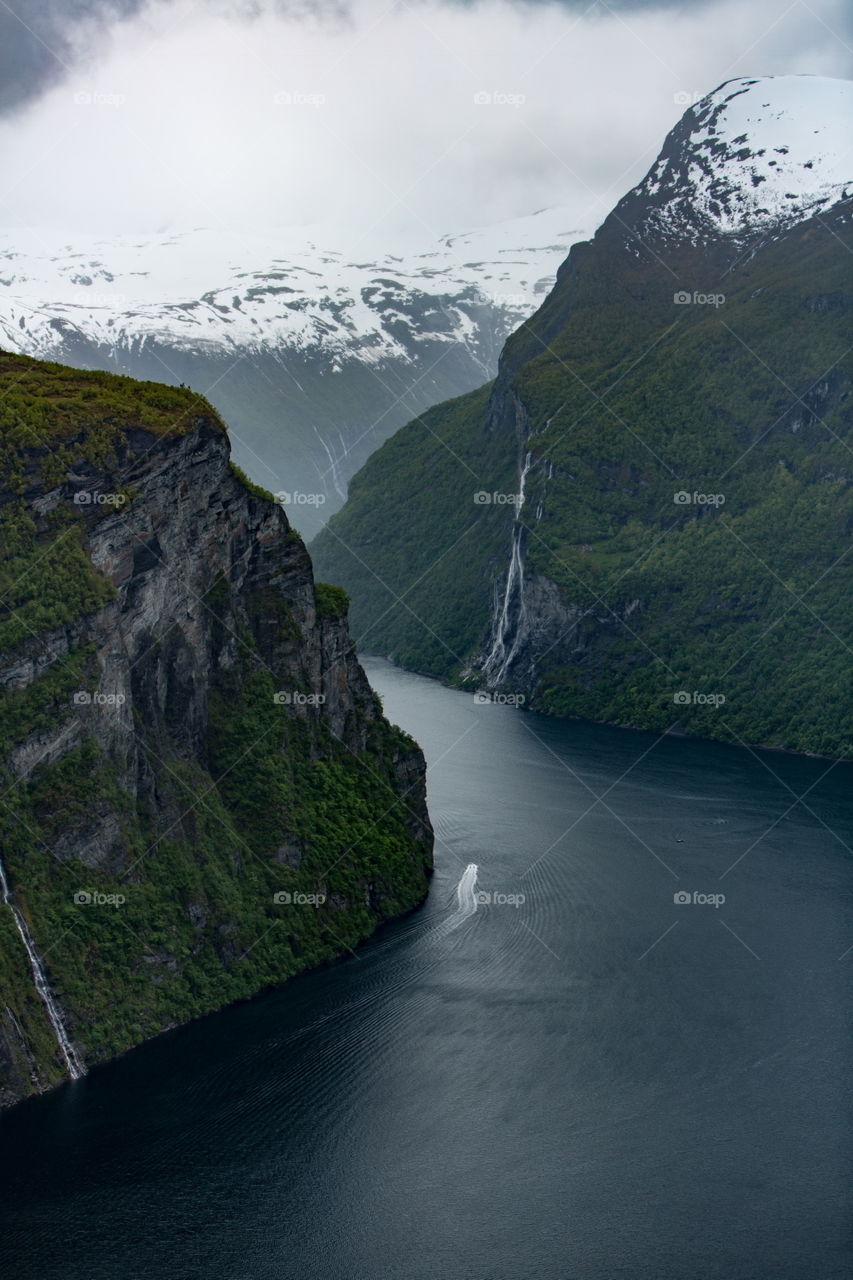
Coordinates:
591	1084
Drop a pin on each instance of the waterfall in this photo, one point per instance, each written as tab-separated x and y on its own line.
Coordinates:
72	1061
509	624
332	469
34	1075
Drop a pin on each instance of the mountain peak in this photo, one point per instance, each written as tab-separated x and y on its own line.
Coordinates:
755	155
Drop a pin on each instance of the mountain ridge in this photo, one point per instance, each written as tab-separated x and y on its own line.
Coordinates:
593	588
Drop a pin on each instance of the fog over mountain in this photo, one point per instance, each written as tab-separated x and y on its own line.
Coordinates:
129	117
41	41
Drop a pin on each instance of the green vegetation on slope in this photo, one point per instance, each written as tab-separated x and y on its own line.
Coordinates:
46	403
332	601
210	908
412	543
46	578
164	877
629	400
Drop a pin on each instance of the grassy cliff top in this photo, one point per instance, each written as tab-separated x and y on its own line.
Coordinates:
53	419
42	403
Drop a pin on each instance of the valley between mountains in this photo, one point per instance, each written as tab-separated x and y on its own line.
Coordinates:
640	516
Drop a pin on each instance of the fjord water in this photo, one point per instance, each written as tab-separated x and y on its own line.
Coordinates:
590	1083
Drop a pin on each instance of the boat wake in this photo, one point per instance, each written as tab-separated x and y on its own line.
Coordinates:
466	901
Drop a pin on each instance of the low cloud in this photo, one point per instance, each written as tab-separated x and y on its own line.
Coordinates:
399	124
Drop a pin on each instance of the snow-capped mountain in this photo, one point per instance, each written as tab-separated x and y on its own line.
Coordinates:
315	355
756	155
206	289
674	468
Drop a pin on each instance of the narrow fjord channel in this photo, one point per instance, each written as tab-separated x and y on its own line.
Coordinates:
612	1044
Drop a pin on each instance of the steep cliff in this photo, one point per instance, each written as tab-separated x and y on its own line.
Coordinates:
646	519
200	796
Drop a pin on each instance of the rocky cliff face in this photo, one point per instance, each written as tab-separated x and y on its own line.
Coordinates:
200	792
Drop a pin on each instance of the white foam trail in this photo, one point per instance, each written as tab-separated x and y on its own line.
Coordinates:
465	889
466	900
72	1062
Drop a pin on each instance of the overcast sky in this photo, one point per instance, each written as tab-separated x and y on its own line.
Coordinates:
252	115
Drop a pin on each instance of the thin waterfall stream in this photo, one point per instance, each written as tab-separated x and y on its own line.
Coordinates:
69	1053
509	623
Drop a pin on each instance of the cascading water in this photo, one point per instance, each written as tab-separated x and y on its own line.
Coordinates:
72	1061
509	622
332	469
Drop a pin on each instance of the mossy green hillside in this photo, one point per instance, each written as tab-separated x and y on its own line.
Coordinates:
168	861
628	399
43	402
52	419
208	909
